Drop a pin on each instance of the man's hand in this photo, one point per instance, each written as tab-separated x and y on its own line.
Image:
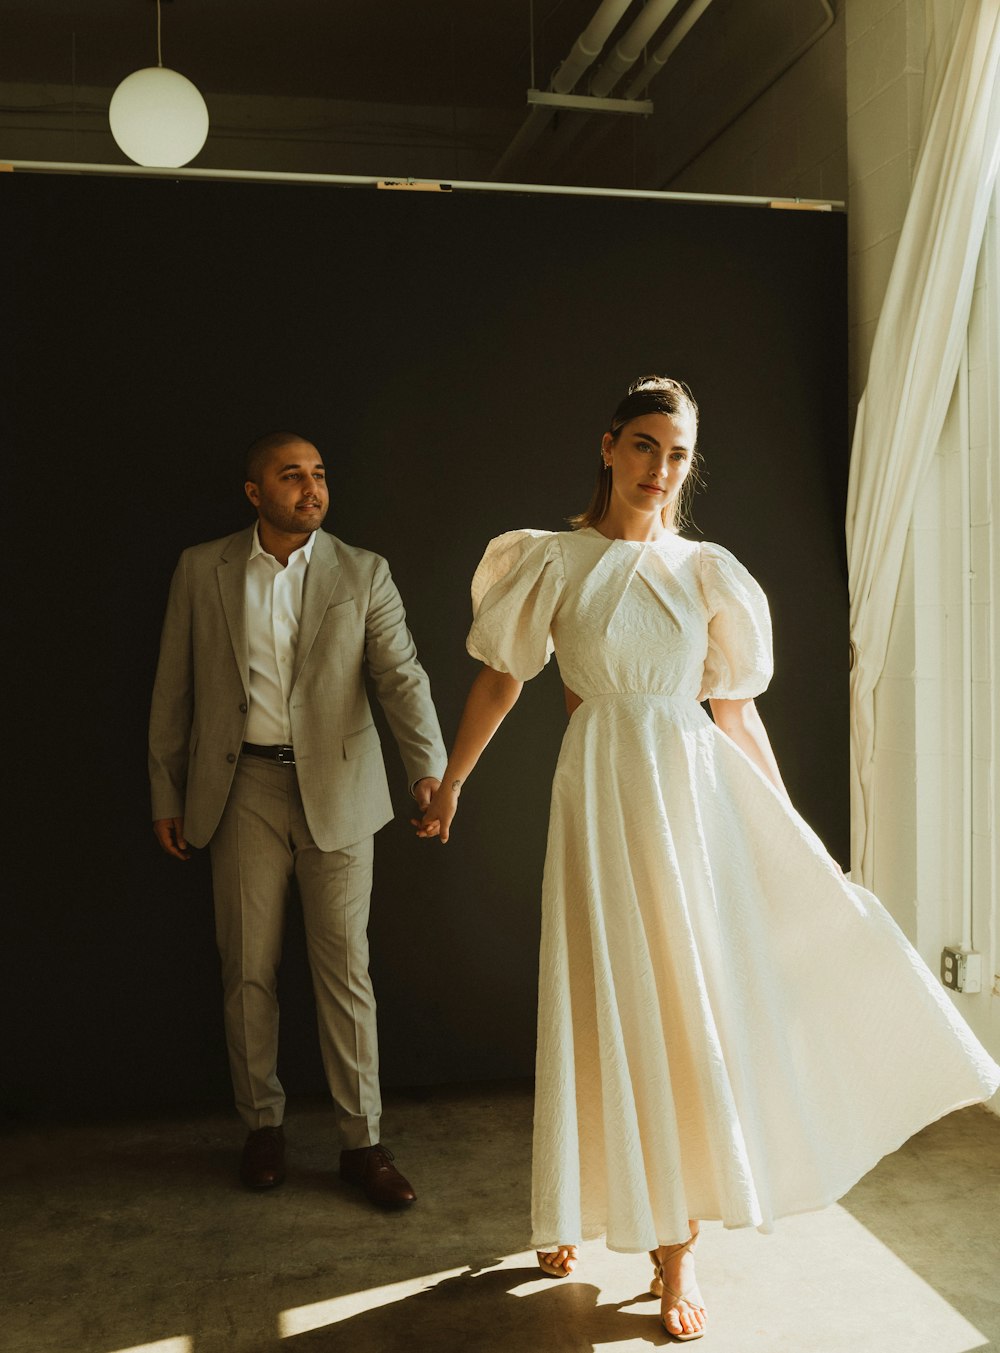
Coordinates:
439	812
169	831
424	790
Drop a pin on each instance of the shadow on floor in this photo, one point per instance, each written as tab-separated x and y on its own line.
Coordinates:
480	1312
125	1236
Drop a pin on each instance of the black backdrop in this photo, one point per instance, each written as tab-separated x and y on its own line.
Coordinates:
456	358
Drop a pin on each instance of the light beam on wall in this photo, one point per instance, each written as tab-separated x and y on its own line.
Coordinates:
158	117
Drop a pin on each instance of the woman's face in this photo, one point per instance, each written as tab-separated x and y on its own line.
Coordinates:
650	459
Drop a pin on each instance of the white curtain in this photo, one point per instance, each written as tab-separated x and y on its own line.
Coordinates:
915	358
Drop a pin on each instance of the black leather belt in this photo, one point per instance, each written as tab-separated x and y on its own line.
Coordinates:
285	756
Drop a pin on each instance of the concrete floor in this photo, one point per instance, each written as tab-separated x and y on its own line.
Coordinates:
137	1236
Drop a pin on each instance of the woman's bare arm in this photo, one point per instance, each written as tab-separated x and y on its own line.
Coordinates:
739	720
491	698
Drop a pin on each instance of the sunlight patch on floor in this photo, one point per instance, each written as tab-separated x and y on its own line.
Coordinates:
823	1283
180	1344
319	1314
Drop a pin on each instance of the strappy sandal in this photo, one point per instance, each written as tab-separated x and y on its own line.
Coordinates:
659	1289
554	1270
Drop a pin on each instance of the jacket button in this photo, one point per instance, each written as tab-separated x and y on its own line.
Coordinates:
243	707
230	757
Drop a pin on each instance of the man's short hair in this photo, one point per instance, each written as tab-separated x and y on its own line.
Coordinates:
259	452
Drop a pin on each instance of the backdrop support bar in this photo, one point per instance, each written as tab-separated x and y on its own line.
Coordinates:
372	181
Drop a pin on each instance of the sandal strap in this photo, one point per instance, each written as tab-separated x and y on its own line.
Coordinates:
658	1262
674	1249
681	1296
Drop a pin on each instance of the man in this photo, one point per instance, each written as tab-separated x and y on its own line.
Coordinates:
262	745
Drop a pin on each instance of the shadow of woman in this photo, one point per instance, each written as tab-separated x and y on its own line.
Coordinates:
479	1312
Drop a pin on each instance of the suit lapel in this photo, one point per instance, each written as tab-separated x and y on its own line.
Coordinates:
323	576
231	572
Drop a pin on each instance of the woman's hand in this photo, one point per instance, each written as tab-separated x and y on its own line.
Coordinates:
490	699
439	813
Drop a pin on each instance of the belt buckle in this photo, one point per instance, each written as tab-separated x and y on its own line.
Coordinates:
285	756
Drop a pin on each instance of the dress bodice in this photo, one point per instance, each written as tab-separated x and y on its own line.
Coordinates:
671	617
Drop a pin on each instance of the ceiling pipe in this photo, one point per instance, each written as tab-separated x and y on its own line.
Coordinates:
629	47
582	56
588	45
663	54
667	47
571	131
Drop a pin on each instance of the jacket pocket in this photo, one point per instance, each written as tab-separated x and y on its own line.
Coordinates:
364	740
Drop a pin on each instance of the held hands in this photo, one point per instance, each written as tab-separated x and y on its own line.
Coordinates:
424	790
169	831
439	811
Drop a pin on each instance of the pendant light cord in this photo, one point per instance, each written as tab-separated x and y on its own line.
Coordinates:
159	43
531	40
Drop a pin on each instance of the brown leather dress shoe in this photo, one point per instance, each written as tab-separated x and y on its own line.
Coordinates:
372	1168
263	1163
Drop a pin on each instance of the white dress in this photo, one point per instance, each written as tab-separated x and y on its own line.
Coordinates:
727	1029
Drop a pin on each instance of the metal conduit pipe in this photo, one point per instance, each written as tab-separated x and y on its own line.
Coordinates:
629	47
667	47
582	56
968	767
570	133
588	45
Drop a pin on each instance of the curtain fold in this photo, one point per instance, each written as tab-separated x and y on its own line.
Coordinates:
914	365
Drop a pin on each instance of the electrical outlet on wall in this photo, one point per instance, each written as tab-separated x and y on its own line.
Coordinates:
962	969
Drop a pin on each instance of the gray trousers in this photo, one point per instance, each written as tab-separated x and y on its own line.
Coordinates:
260	845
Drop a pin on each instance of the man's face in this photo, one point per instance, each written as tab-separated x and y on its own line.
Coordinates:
292	495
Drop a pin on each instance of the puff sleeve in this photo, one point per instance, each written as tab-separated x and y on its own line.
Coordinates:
739	663
515	592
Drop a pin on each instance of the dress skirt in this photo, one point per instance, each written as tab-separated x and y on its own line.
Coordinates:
728	1030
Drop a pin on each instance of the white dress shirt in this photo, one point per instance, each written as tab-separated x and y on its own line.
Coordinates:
274	606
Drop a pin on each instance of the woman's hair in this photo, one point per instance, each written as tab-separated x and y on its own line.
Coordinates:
649	394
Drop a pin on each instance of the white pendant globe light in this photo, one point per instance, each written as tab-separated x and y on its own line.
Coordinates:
158	117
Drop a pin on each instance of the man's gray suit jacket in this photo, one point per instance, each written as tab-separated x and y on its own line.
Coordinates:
352	619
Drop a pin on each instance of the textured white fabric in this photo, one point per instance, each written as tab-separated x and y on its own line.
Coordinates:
726	1028
274	608
914	363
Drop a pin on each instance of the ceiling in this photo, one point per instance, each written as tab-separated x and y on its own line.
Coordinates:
460	69
416	52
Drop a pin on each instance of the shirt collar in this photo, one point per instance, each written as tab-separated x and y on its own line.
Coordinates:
256	549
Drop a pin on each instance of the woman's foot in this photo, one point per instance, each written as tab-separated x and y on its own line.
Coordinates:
558	1263
682	1309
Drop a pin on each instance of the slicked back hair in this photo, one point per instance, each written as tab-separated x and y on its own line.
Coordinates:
648	394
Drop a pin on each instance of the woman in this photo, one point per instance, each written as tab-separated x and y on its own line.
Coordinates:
727	1029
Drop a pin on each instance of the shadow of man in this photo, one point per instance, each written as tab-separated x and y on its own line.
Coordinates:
479	1312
